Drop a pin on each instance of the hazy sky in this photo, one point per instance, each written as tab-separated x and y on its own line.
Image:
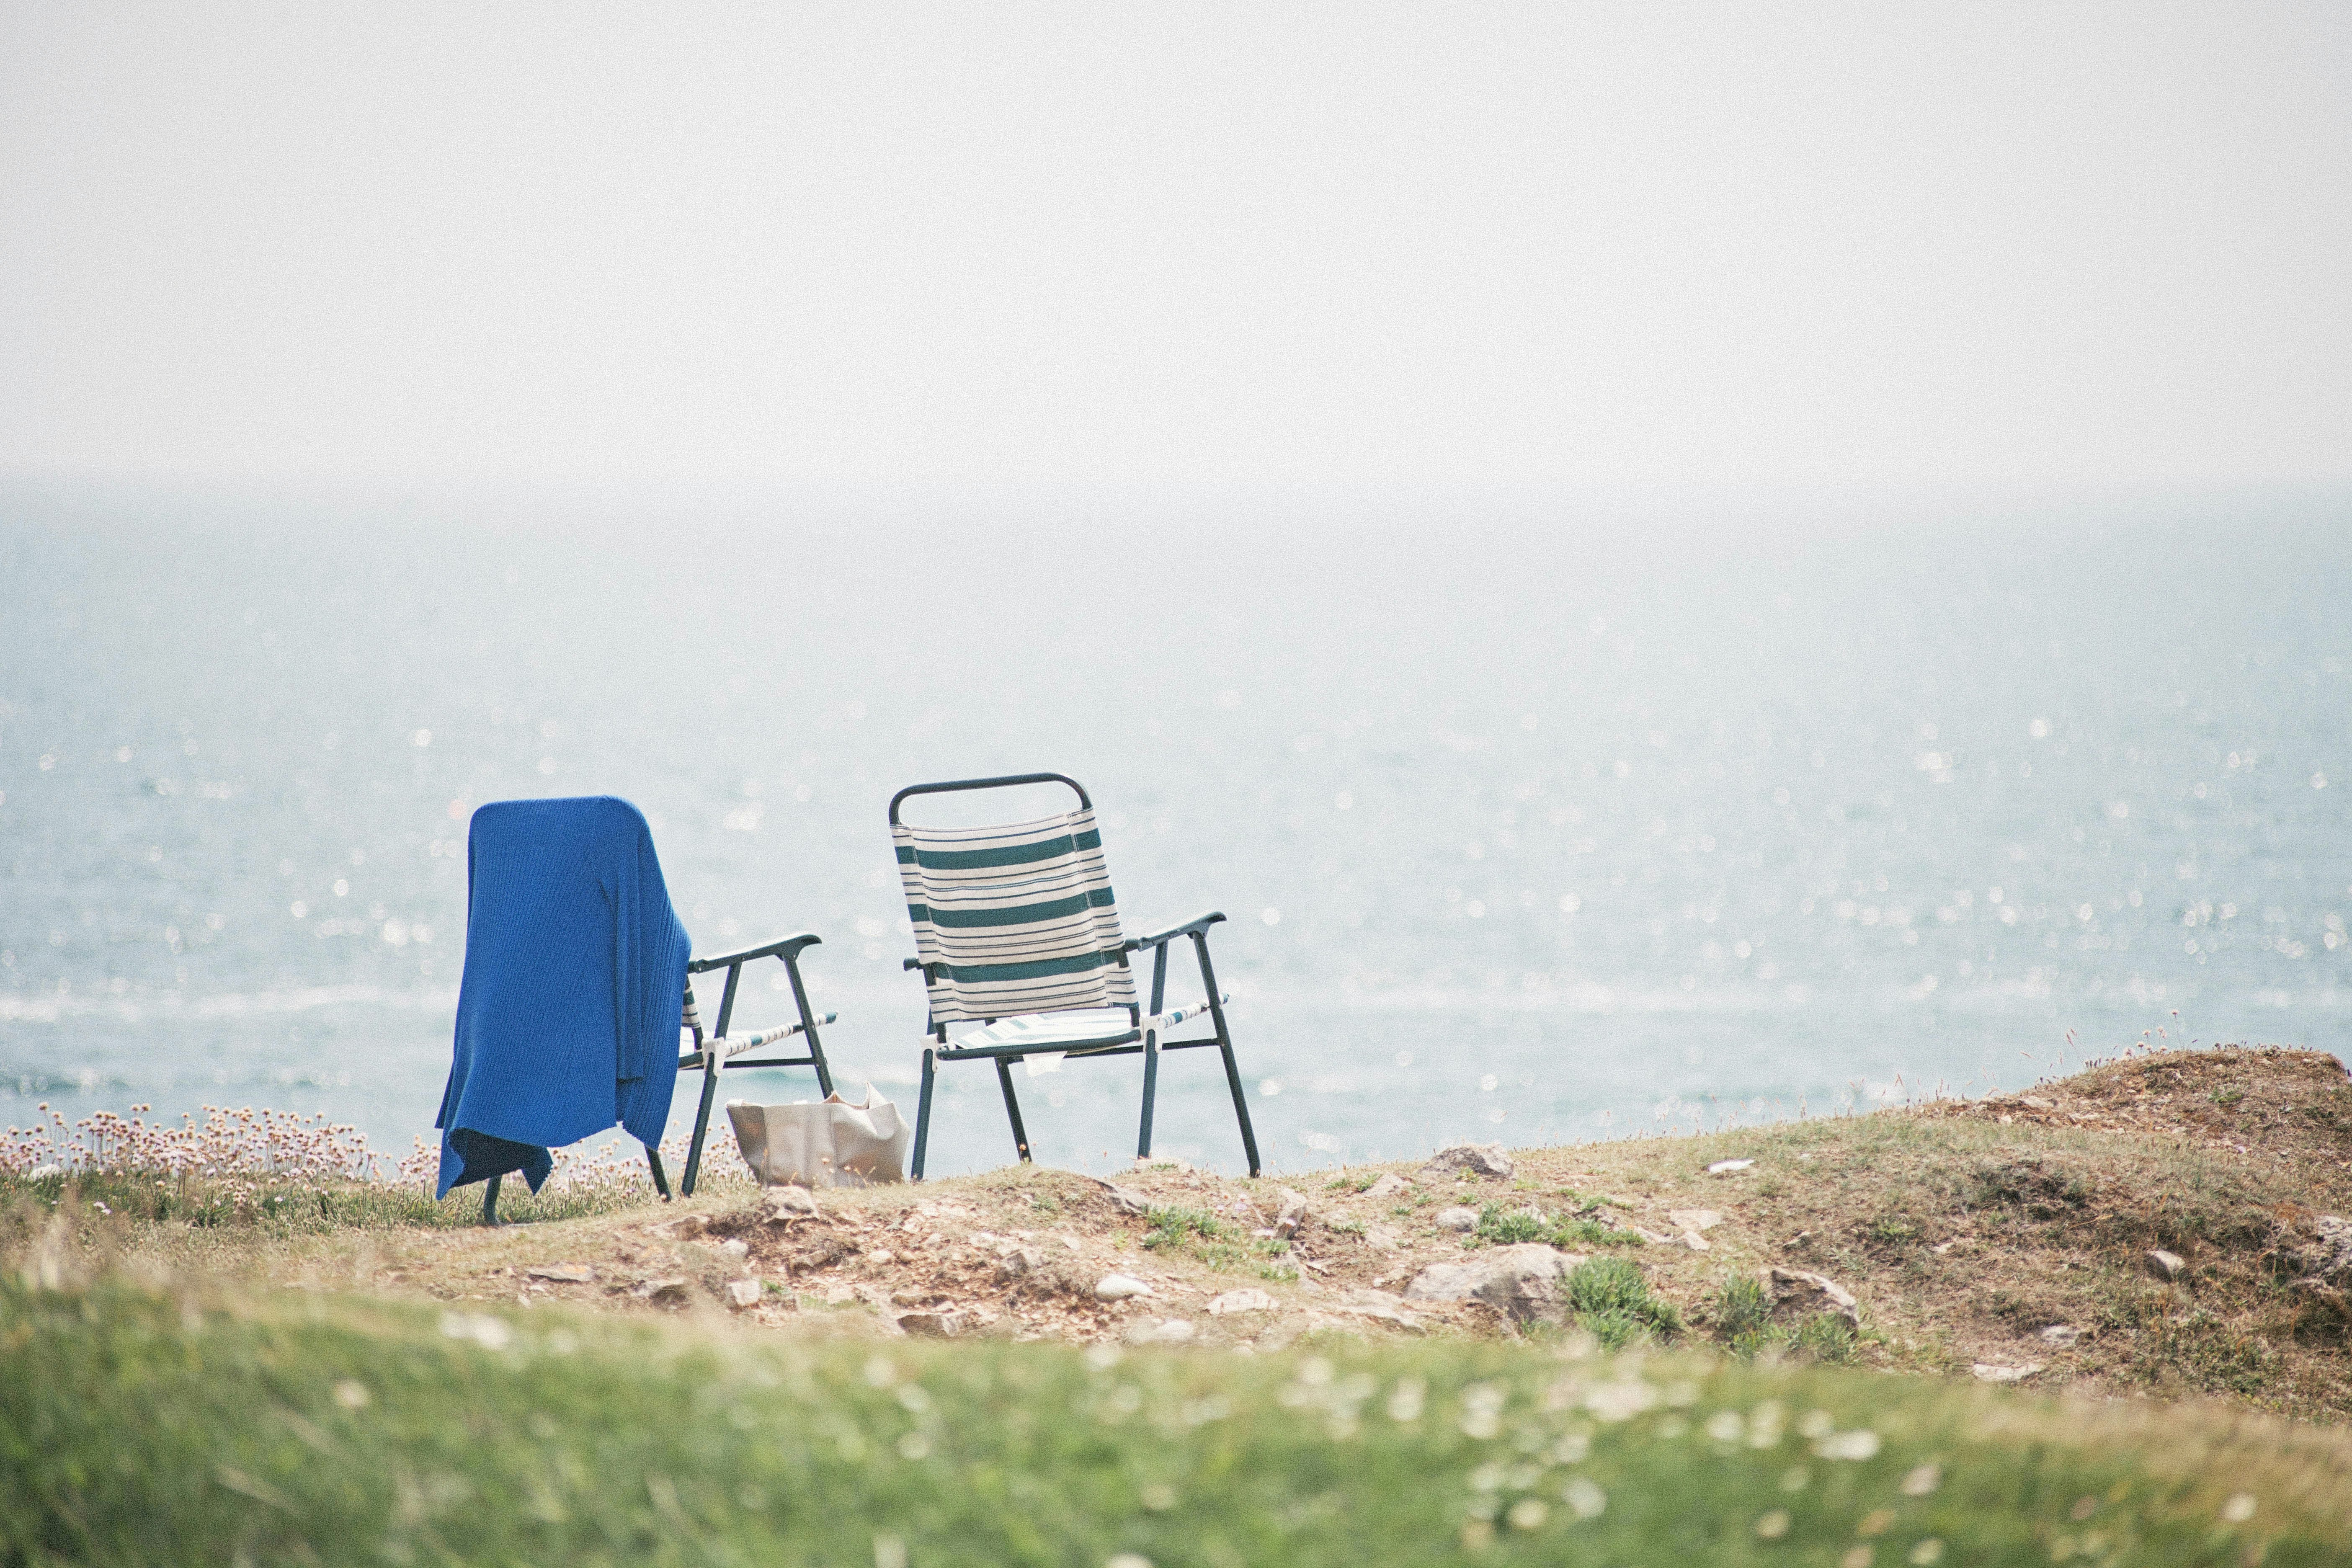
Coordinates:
1349	246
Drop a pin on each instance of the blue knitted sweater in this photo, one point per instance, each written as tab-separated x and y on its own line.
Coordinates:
576	970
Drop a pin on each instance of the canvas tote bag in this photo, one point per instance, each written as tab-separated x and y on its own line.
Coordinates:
829	1143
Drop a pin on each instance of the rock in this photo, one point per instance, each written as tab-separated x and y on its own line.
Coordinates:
1521	1281
1459	1219
1128	1200
684	1227
881	1255
735	1248
931	1325
1017	1262
2326	1259
1388	1186
1486	1159
781	1205
2034	1103
1118	1288
1379	1305
562	1273
742	1293
1383	1237
1986	1372
1233	1301
2061	1335
1174	1331
2166	1266
1293	1213
670	1292
1728	1167
1796	1293
1693	1222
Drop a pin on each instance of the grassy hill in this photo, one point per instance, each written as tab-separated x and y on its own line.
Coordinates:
298	1371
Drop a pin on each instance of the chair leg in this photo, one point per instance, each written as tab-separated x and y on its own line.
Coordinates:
701	1126
1150	1090
808	1029
1241	1105
1225	1048
923	1113
1012	1109
661	1177
490	1200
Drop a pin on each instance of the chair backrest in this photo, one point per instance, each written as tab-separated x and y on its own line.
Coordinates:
1013	919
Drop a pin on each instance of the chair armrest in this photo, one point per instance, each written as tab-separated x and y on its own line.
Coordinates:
786	947
1193	927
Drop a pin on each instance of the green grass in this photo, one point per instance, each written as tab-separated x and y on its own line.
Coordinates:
139	1427
308	1204
1500	1225
1613	1303
1741	1316
1219	1244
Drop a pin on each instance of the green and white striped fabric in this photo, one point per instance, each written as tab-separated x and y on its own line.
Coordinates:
1016	919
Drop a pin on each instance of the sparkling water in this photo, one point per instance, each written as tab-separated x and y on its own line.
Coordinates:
1529	828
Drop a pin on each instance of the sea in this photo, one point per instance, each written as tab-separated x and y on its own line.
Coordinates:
1532	821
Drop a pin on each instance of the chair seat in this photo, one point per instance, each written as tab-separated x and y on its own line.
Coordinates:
1053	1031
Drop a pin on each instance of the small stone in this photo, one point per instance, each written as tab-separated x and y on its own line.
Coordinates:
1695	1219
735	1248
1019	1261
2034	1103
1245	1300
2061	1335
1174	1331
1388	1186
1293	1213
1462	1219
1129	1201
1728	1167
1486	1159
1804	1294
2166	1266
1381	1306
931	1325
742	1293
1118	1288
1986	1372
671	1292
564	1273
881	1255
781	1205
1383	1237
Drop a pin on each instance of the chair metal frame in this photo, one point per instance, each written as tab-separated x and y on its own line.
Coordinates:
709	1056
1137	1039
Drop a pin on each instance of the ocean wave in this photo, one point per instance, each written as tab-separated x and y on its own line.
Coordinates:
18	1007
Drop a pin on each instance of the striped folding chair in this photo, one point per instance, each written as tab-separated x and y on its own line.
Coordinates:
1016	933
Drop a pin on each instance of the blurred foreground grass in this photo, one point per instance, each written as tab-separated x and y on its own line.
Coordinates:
141	1425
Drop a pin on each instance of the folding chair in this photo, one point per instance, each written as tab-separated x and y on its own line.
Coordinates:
1016	931
721	1051
575	994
